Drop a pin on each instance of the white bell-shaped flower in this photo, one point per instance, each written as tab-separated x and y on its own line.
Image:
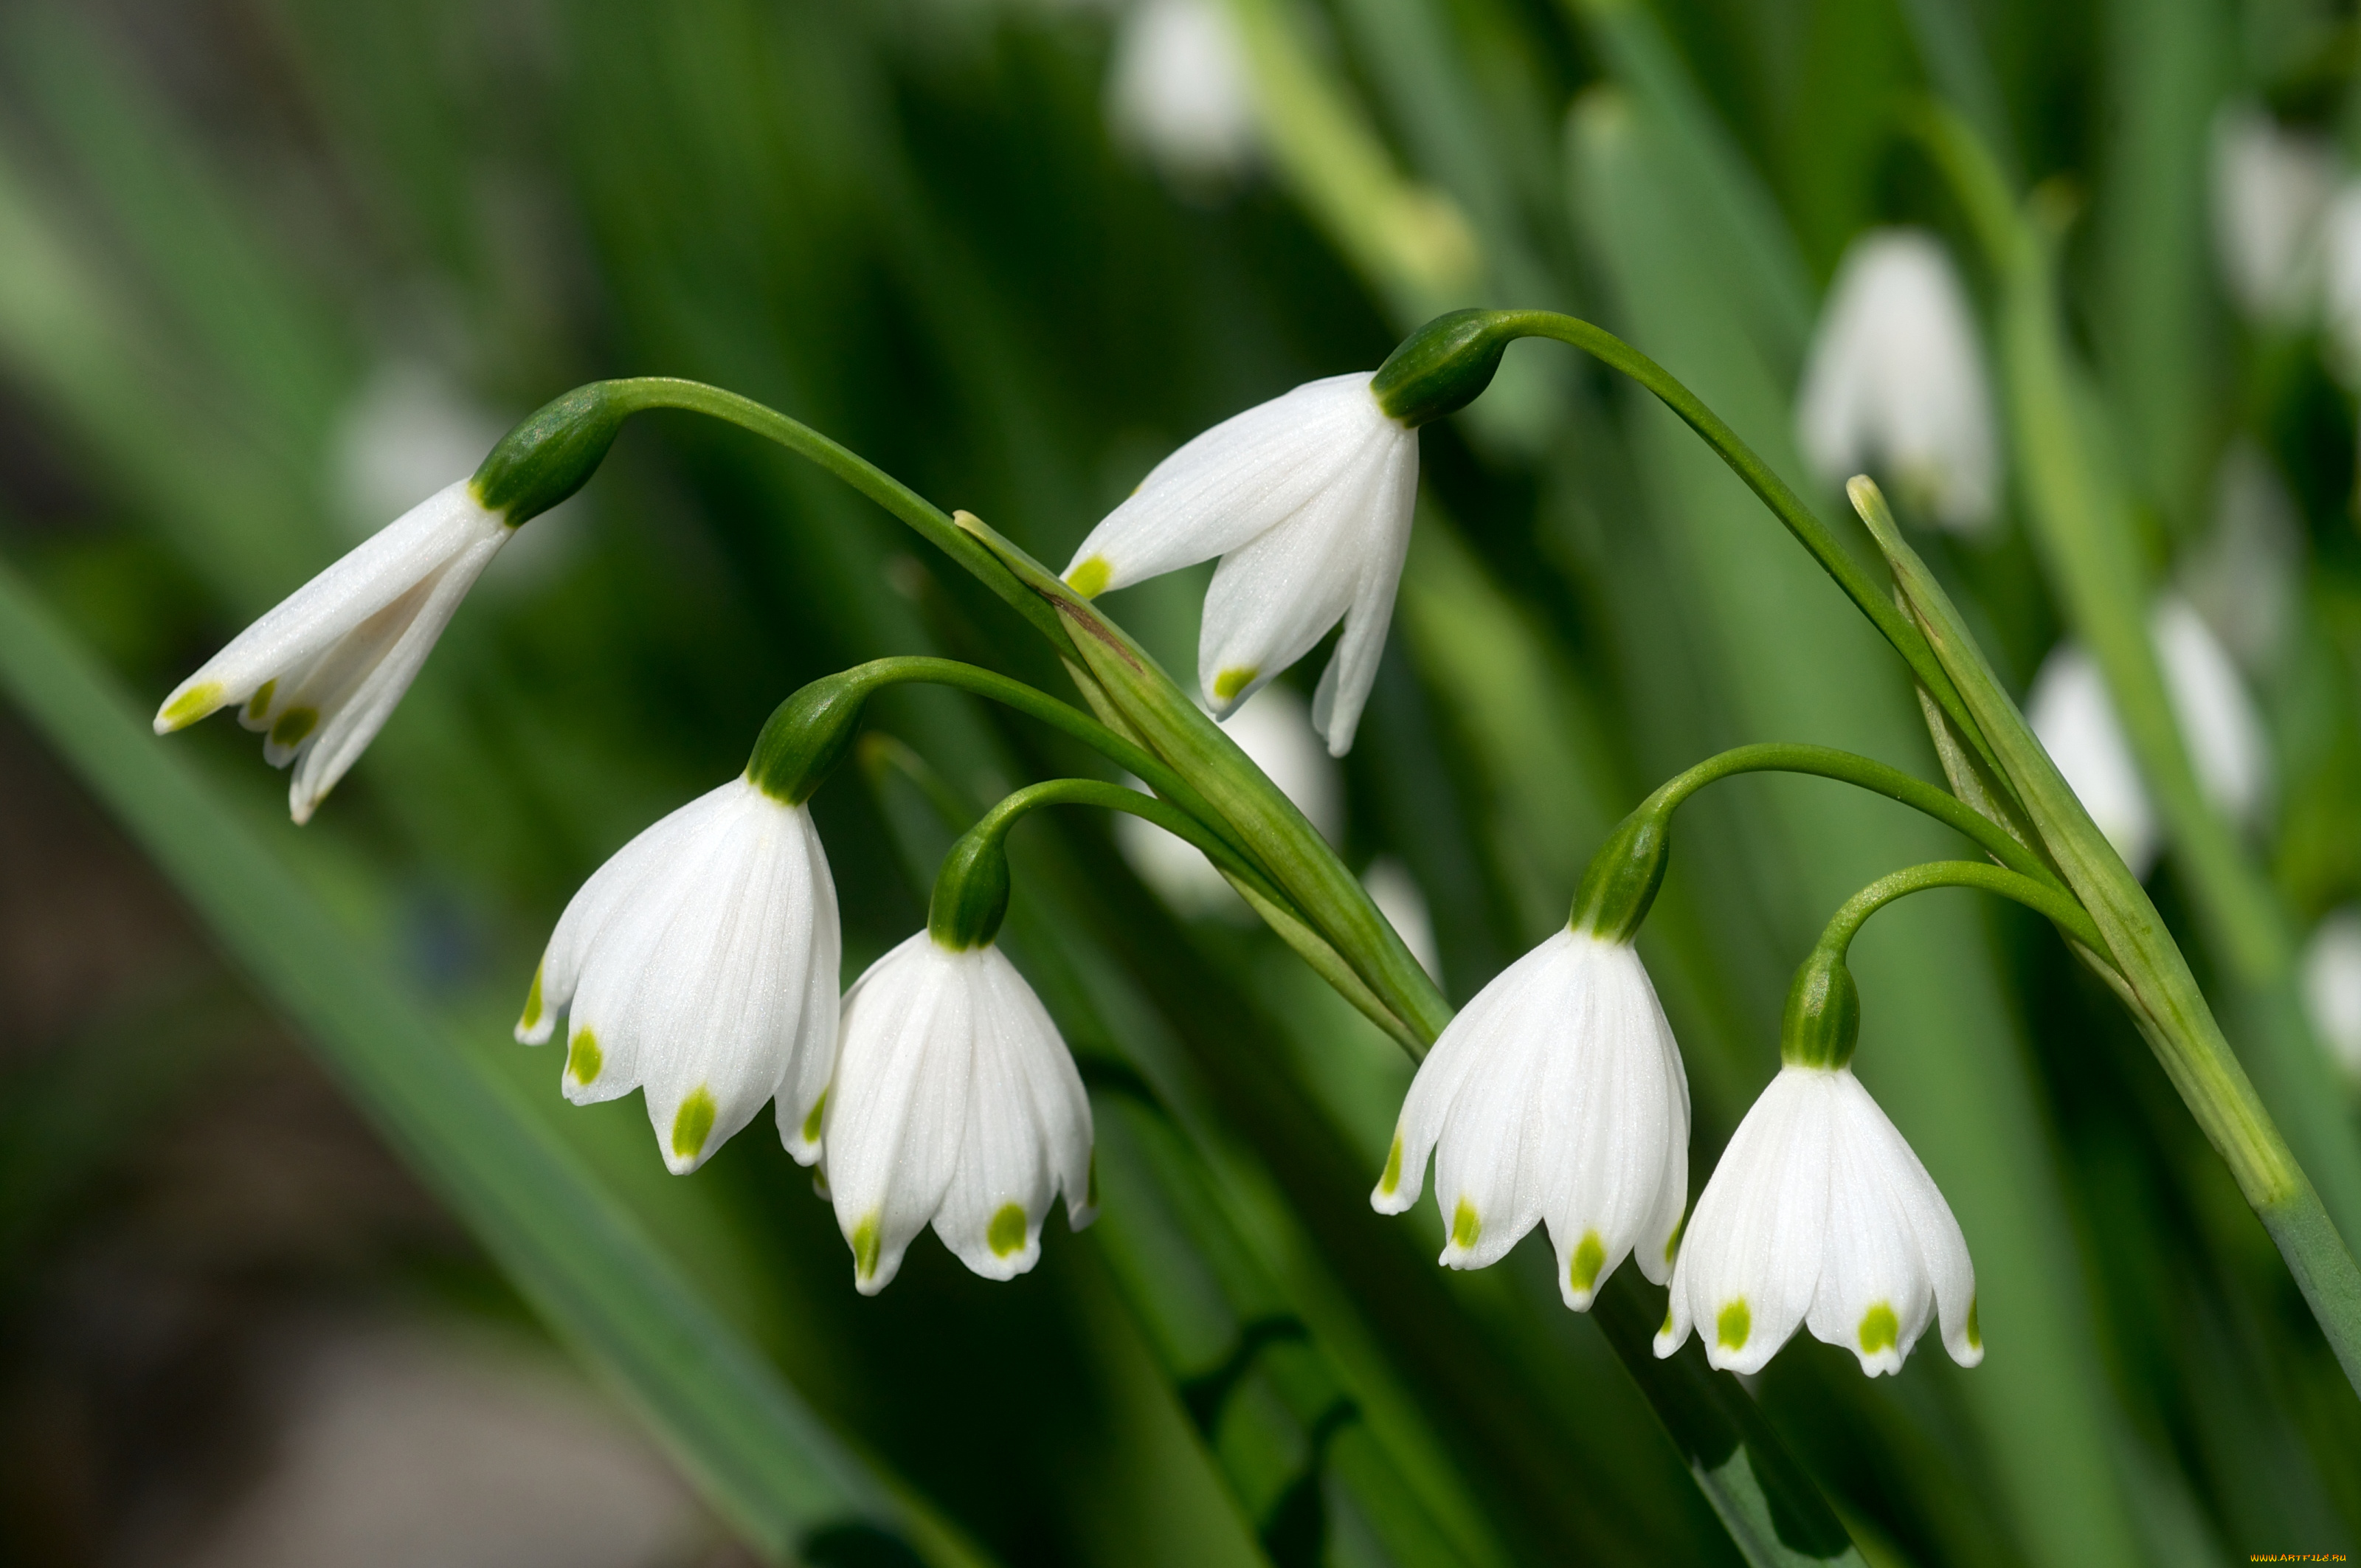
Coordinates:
2270	189
320	674
2074	717
701	965
1307	499
1178	89
955	1104
1896	381
1556	1095
1819	1215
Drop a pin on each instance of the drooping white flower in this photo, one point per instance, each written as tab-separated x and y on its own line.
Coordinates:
1895	380
320	674
1274	730
1556	1095
1179	89
1819	1215
2074	717
2331	987
955	1104
2270	189
699	964
1307	499
2340	268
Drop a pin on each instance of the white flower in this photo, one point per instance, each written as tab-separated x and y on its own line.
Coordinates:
1895	380
1274	730
2331	987
1402	902
2242	577
1820	1215
2074	717
320	674
2340	258
1307	499
1556	1095
701	965
1179	88
2269	190
954	1103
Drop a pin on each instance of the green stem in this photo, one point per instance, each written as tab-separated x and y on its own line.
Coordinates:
1866	773
1064	717
1764	481
642	392
2040	896
995	823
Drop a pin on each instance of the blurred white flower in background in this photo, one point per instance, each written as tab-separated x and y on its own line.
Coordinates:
1178	89
2340	282
2271	189
1274	729
2074	717
1896	381
2331	987
1399	899
407	432
2242	577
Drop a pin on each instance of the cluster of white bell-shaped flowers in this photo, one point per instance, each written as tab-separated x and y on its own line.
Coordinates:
1307	499
320	674
2075	720
699	965
1894	382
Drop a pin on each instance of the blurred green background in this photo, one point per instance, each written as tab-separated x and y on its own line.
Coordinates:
273	270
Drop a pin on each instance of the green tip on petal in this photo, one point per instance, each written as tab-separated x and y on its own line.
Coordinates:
1234	680
191	705
1583	1272
1392	1177
259	703
812	1121
293	725
1880	1330
1975	1335
532	1014
1089	578
1465	1225
1672	1242
1005	1235
584	1059
692	1123
865	1247
1731	1329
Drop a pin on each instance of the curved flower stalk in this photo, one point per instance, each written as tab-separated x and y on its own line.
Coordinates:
320	673
699	964
1895	380
954	1105
1556	1095
2075	719
1307	500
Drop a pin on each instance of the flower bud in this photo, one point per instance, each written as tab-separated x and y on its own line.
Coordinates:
971	895
550	454
1443	366
1822	1023
808	735
1620	883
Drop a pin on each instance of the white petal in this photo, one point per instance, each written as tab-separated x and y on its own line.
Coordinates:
1942	1251
1874	1298
803	1081
2270	189
1752	1258
1178	86
346	732
1232	483
1352	670
315	616
898	1110
1275	597
2217	719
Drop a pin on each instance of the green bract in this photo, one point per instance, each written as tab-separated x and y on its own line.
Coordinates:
1822	1023
550	454
1443	366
